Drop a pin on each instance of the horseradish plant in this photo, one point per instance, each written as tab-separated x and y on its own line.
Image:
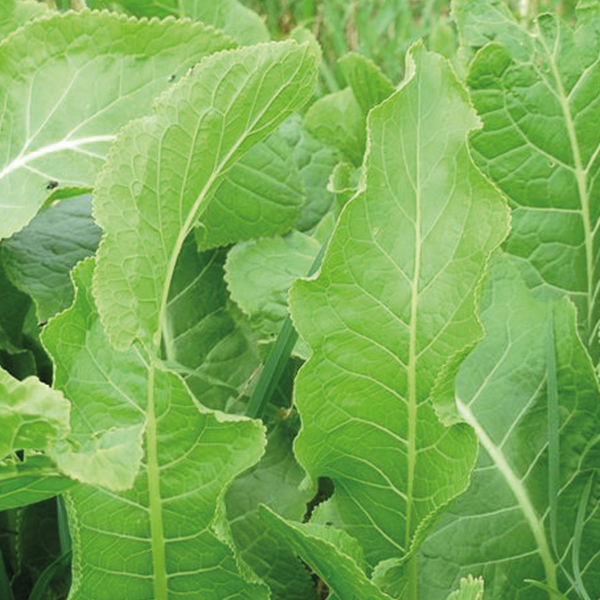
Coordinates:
443	428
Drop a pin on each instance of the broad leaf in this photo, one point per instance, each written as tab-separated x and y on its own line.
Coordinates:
470	589
205	339
39	258
337	120
260	195
164	169
159	539
53	138
334	555
502	527
33	416
274	482
315	162
538	96
259	274
394	301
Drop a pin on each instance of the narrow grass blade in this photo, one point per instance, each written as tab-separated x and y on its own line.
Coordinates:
579	523
40	589
5	589
278	358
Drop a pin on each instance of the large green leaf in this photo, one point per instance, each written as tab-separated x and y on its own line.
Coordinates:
163	170
39	258
65	97
538	96
394	301
334	555
502	527
275	482
161	538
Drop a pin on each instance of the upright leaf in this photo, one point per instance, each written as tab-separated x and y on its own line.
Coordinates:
49	135
163	170
161	538
394	301
538	96
501	527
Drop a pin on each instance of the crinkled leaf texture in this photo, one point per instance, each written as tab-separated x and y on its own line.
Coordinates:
50	135
34	418
538	96
394	301
163	170
500	528
159	539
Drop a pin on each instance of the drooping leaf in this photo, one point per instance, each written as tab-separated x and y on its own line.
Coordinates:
161	534
39	258
235	19
163	170
50	135
369	84
337	120
501	527
33	415
538	96
394	301
331	553
205	339
274	482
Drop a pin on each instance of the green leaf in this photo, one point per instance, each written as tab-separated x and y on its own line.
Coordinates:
337	120
159	539
15	13
39	258
274	482
260	195
394	301
369	84
30	481
205	339
236	20
54	137
332	554
33	416
501	527
315	162
259	274
470	589
537	95
163	170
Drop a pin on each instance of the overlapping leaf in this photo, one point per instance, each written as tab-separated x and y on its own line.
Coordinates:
39	258
163	170
158	539
538	96
394	301
59	115
502	527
